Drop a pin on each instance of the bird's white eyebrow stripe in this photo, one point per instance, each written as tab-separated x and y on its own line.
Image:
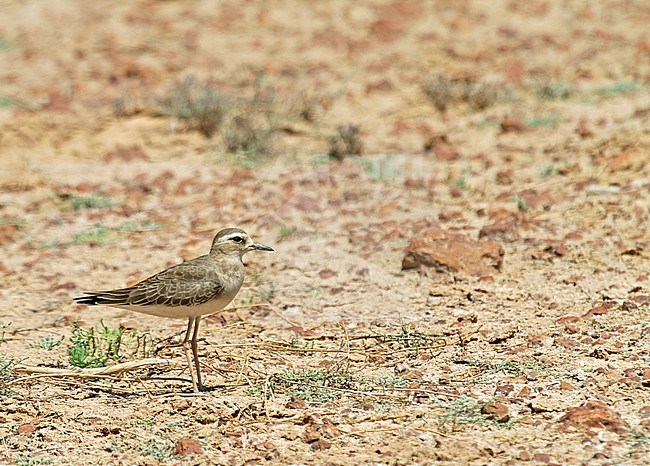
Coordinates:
233	235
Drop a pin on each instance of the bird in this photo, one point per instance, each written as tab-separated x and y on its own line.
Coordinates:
192	289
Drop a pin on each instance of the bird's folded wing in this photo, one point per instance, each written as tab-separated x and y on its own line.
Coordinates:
181	285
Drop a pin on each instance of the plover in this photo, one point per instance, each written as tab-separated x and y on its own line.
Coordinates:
190	290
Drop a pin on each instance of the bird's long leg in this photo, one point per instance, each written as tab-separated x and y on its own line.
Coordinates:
195	351
186	348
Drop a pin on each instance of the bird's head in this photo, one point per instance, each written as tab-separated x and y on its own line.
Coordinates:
235	242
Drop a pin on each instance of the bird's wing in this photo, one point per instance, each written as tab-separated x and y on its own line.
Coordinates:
185	284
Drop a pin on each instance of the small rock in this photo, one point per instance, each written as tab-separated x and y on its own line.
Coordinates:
449	251
327	273
296	403
26	429
311	434
321	444
498	411
593	415
188	446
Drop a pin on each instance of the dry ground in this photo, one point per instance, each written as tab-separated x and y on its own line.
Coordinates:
537	120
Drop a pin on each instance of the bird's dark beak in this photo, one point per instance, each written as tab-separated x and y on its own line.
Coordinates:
261	247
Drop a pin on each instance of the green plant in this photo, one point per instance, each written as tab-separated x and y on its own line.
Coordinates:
249	135
6	367
380	169
548	170
286	231
444	91
346	141
197	103
545	121
464	410
313	385
48	342
29	460
556	90
139	226
267	294
97	235
461	183
96	346
87	202
161	449
521	203
623	87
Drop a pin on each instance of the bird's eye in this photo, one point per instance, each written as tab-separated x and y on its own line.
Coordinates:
237	239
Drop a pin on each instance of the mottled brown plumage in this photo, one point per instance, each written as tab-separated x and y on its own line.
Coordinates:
191	289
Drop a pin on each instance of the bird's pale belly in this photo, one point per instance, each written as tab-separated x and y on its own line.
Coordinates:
183	312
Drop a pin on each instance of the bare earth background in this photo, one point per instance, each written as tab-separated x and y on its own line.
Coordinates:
538	139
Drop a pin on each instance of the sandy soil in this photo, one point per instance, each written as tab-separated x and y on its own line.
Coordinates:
331	353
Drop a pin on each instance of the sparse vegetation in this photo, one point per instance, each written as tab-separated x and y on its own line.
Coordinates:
87	202
96	235
286	231
139	226
6	365
97	346
556	90
521	203
314	385
267	294
346	141
543	121
197	103
466	410
29	459
47	343
161	449
381	168
249	135
443	92
623	87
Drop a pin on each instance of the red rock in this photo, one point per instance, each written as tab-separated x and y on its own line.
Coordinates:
321	445
583	130
441	148
566	319
311	434
542	457
8	232
633	160
26	429
126	153
447	215
327	273
591	416
296	403
505	389
566	386
524	392
388	209
565	343
188	446
597	311
448	251
498	411
510	125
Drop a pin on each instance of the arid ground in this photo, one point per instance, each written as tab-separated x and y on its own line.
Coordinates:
334	131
